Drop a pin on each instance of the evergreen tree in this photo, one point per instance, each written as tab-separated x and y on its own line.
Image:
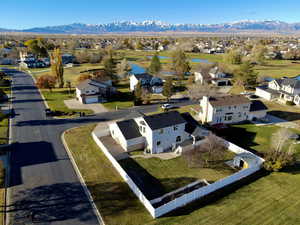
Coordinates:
57	67
168	88
181	65
155	65
138	93
246	76
109	66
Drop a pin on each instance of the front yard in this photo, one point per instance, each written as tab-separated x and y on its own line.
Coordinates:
56	97
276	195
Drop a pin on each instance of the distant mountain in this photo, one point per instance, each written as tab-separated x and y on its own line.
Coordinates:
158	26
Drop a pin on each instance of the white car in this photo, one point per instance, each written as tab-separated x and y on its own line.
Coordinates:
167	106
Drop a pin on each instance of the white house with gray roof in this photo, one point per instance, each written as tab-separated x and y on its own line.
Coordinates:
230	109
149	82
93	91
284	89
156	133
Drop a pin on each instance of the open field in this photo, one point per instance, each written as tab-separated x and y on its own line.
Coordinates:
275	196
70	74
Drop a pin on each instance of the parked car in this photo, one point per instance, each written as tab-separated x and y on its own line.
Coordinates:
167	106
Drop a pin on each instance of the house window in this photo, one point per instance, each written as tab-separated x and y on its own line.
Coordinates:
229	107
158	143
178	139
161	131
144	129
175	127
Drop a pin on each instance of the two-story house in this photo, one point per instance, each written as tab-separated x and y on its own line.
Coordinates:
93	91
230	109
284	89
153	84
155	133
214	76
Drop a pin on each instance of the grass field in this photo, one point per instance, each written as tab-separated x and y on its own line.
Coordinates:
55	100
270	200
174	173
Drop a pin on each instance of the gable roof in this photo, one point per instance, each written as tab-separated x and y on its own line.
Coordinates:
229	100
257	105
162	120
191	124
291	82
143	76
90	82
129	129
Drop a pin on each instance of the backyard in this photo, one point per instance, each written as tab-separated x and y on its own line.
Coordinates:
169	175
276	195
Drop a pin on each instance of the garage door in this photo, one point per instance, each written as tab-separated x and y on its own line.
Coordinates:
91	100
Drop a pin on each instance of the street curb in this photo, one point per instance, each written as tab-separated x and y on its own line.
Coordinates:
82	181
6	219
43	97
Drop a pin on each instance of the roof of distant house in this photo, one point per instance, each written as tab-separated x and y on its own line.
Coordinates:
90	82
191	124
229	100
143	76
129	129
162	120
269	90
291	82
257	105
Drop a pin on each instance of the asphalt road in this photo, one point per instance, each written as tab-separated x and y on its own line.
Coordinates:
43	181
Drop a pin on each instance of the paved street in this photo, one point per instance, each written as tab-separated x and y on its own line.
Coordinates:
43	181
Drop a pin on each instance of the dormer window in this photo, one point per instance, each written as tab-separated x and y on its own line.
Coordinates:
175	127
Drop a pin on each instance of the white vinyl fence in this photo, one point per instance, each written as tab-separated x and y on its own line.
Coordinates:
125	176
188	197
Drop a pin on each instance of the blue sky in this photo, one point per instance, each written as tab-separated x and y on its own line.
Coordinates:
21	14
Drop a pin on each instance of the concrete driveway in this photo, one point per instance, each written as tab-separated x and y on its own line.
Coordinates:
74	104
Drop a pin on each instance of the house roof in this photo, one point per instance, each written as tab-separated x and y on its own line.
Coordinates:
257	105
129	129
229	100
162	120
191	124
291	82
143	76
90	82
266	89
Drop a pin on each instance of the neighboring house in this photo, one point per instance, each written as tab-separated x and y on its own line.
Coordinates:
92	91
29	61
230	109
156	133
285	89
153	84
214	76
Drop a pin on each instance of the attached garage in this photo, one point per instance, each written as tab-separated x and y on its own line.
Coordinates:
91	99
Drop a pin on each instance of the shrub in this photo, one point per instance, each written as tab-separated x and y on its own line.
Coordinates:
290	103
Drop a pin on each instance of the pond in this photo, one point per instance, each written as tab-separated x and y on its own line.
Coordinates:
194	60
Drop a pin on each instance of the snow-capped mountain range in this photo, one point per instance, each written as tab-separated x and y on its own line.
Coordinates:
158	26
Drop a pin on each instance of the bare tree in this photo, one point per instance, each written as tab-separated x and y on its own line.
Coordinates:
209	152
197	91
280	138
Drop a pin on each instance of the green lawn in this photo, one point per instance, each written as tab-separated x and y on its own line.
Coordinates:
124	99
56	97
270	200
174	173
